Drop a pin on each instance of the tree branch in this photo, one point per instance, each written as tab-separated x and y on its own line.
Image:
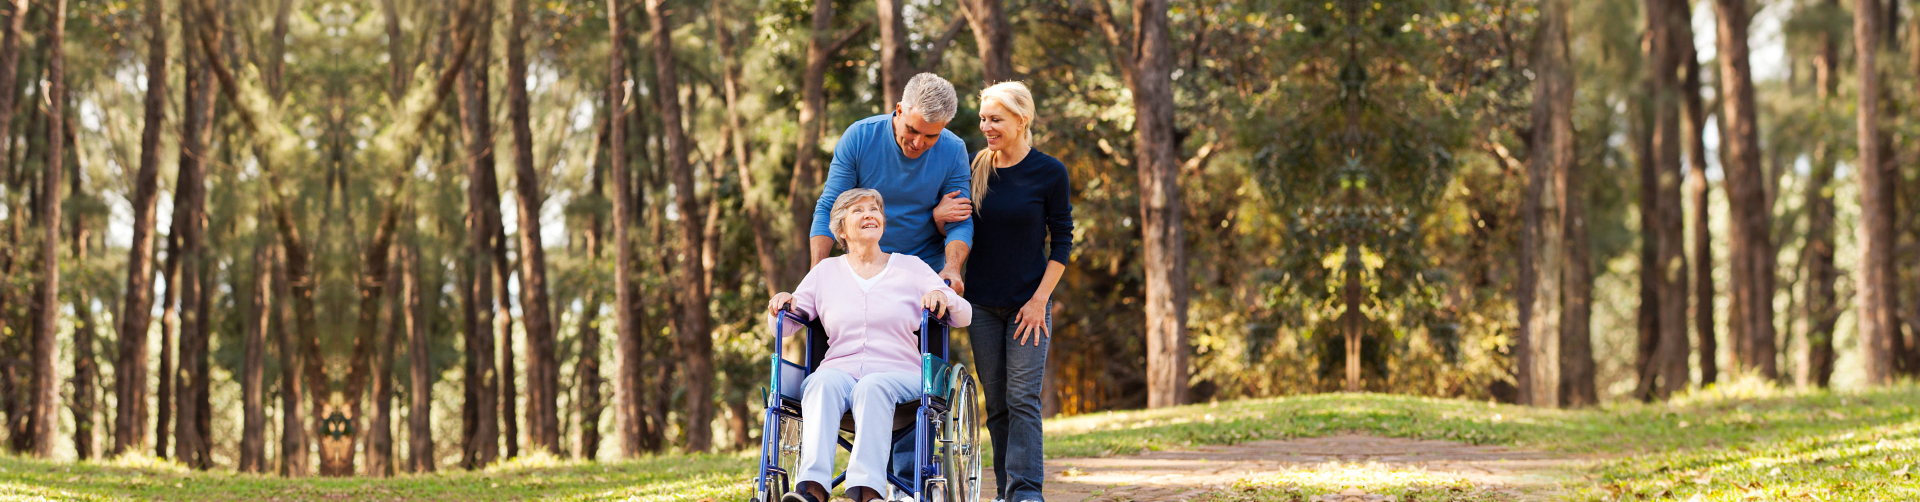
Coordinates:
847	38
938	51
1119	47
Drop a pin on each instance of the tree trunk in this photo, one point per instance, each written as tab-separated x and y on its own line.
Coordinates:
1879	333
196	128
169	326
483	440
130	367
420	454
9	66
543	375
1146	61
995	41
1663	233
293	431
14	388
1541	268
202	383
1577	386
399	68
85	372
896	65
587	370
1703	306
503	317
1646	313
299	272
46	391
374	274
1750	224
694	343
802	187
813	108
253	441
764	240
1822	302
628	352
380	424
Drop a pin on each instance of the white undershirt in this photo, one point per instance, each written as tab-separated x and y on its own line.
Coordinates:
867	284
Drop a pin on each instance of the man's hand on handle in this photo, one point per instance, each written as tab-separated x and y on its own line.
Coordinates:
952	275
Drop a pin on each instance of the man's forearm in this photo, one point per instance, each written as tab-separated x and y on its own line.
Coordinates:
819	246
956	255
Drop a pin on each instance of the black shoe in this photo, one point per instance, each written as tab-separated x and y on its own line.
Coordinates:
798	496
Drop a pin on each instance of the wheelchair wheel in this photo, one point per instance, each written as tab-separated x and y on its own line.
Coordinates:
963	431
787	458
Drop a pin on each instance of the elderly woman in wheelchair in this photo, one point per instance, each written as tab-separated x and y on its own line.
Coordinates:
870	304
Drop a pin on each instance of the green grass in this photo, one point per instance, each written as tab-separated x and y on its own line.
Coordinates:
664	478
1743	442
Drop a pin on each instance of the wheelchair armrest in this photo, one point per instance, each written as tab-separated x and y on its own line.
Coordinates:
933	319
794	316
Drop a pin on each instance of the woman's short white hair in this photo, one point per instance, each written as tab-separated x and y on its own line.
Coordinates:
843	204
930	96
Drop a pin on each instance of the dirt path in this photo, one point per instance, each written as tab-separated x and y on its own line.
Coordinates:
1323	465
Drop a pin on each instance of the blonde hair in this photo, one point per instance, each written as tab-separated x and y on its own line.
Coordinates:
843	203
1015	97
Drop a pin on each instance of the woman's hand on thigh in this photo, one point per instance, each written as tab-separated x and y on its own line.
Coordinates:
1032	321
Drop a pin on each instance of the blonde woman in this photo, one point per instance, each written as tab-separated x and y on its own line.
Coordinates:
1022	237
869	301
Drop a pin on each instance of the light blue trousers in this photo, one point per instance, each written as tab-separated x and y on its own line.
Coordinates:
830	393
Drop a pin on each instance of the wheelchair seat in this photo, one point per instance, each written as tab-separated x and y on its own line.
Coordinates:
902	416
816	348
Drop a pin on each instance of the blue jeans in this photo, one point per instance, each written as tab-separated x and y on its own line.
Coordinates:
1011	374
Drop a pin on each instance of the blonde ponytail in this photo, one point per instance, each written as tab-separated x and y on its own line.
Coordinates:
1015	97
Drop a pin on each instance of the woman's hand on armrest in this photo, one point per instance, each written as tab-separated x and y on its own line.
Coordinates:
936	302
779	301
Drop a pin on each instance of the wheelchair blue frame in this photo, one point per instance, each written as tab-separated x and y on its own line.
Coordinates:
935	384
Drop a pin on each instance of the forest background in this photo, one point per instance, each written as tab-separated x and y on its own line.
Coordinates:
405	236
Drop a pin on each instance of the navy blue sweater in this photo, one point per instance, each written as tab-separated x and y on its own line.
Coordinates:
1025	205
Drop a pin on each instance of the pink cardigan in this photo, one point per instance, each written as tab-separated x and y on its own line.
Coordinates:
871	331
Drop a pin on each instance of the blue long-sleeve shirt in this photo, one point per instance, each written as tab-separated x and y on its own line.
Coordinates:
1026	220
868	157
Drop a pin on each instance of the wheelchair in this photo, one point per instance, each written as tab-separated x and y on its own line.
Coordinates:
944	422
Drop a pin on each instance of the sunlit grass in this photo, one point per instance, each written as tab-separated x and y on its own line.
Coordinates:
1741	441
1372	478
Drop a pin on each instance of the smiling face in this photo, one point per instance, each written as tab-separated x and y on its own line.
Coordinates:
1002	127
865	222
914	133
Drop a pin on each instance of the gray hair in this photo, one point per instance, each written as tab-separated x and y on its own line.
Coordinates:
930	96
843	203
